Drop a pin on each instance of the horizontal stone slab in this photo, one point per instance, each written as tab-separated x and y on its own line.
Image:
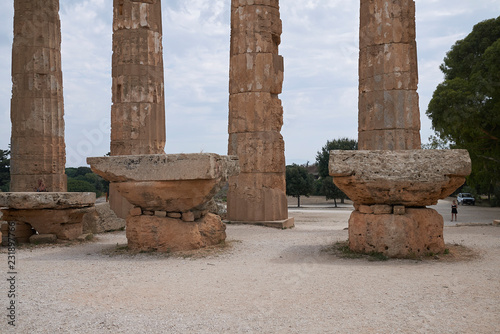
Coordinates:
412	178
46	200
165	167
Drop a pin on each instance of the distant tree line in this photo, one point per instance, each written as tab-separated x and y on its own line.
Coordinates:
300	182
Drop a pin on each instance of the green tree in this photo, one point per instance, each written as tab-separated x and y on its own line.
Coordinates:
323	156
4	170
465	107
328	188
298	182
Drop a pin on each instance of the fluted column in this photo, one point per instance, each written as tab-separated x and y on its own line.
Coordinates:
389	117
37	107
138	110
255	113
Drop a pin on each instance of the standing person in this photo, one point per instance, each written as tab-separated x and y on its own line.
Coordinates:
454	210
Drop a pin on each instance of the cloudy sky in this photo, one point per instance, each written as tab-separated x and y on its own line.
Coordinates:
319	44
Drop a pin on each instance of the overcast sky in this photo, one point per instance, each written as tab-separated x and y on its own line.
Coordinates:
319	44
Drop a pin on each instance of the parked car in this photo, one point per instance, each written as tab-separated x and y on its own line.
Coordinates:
466	198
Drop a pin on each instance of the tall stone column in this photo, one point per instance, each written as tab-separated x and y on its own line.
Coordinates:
257	194
138	110
389	117
37	108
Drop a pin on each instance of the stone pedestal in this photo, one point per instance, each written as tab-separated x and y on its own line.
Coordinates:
257	194
390	190
416	232
61	214
37	109
171	194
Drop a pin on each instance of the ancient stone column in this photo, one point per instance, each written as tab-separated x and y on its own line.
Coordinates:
38	150
257	194
389	117
138	110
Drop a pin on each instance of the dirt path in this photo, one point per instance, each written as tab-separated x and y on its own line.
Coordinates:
266	281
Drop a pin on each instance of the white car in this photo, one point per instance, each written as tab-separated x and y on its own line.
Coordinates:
465	198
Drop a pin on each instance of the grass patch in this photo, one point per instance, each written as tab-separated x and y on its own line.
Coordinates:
341	249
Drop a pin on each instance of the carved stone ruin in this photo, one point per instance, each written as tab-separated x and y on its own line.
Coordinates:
391	180
38	150
257	194
171	194
164	197
38	155
138	110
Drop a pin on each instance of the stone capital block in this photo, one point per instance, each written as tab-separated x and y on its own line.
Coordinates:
255	29
133	14
258	152
386	21
270	3
257	197
416	233
389	110
255	112
165	234
396	58
256	72
413	178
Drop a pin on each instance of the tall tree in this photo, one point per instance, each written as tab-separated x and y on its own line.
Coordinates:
465	107
298	182
328	188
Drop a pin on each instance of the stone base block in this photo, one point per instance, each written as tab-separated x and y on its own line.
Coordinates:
281	224
165	234
417	232
66	224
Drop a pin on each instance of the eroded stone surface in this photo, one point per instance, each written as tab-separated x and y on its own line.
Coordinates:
164	234
165	167
66	224
255	113
410	178
388	76
37	109
418	232
46	200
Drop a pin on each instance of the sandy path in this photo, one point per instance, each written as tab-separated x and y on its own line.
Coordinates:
268	281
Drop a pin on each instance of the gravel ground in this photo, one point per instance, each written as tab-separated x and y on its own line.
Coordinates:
264	281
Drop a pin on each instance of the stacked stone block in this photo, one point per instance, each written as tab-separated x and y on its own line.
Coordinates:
256	114
37	107
389	117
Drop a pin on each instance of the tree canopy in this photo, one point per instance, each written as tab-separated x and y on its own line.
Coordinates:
465	107
298	182
328	188
4	170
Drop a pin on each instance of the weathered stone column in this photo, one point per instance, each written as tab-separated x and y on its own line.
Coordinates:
389	117
138	110
37	108
257	194
390	179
